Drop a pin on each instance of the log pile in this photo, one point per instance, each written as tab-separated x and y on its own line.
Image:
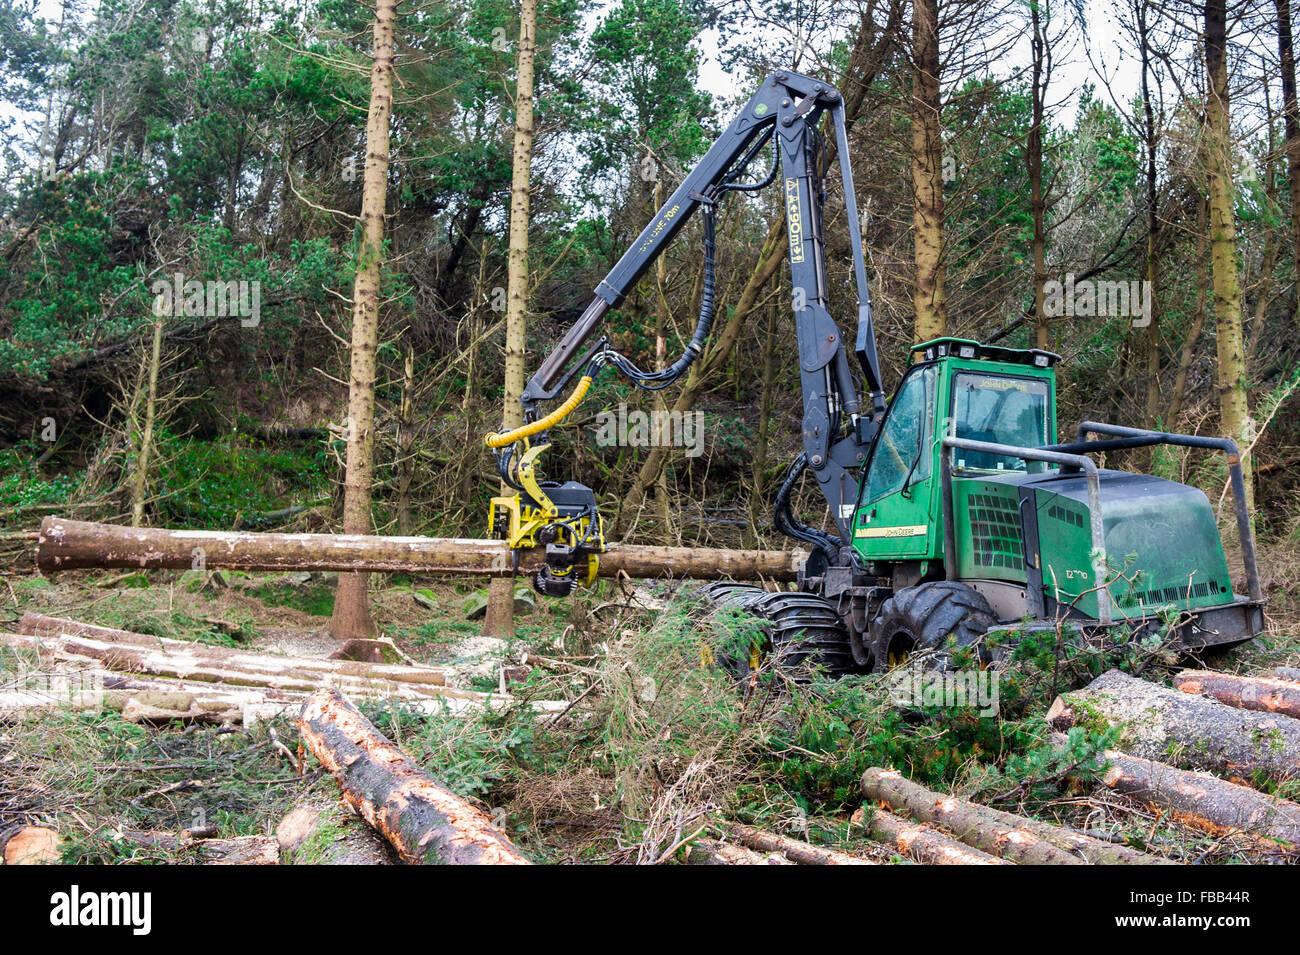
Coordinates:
152	679
70	545
1002	834
1202	733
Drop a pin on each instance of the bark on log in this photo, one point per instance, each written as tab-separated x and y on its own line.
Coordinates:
1196	732
1003	834
1290	674
924	844
1203	801
86	654
69	545
423	820
237	850
796	850
320	832
1248	693
234	659
705	851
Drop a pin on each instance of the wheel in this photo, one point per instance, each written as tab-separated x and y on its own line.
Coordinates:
802	629
924	618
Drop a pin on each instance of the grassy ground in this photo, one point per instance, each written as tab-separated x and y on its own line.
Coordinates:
638	765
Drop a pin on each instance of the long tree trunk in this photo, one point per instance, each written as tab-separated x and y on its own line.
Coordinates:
500	617
928	296
351	616
1153	224
1034	161
140	478
69	545
1193	335
1234	410
1291	112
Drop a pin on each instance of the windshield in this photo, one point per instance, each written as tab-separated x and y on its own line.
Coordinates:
1003	410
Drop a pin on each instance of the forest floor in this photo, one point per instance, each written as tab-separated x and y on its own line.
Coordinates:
665	745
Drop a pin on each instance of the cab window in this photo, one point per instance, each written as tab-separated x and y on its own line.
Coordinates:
1000	409
902	452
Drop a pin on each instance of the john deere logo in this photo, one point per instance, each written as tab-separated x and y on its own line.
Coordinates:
760	109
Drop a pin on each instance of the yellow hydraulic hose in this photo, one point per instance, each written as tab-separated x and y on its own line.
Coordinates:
495	440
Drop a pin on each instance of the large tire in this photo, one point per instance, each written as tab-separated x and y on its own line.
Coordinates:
803	630
926	618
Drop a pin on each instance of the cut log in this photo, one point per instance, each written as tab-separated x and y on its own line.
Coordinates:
260	696
1248	693
237	659
69	545
237	850
1203	801
924	844
706	851
422	819
321	832
1195	732
1290	674
796	850
1002	834
31	845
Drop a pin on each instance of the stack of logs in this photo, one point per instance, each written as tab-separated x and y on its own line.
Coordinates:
1225	732
153	679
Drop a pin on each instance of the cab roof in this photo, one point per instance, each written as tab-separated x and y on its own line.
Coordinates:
937	348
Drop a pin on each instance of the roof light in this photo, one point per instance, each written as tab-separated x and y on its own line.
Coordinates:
1040	361
943	350
966	351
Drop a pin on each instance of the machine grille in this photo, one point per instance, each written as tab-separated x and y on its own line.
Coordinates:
996	540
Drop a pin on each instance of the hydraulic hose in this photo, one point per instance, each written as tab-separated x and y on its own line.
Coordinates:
495	440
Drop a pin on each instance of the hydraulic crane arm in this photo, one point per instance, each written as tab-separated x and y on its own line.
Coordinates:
785	112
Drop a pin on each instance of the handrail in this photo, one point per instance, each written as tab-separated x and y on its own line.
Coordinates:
1124	438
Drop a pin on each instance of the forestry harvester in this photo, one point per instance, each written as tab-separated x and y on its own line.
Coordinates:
956	511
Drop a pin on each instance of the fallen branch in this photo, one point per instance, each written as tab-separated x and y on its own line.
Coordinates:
423	820
1002	834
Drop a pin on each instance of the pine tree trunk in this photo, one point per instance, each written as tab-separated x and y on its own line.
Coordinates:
1034	160
351	618
140	479
928	296
406	444
1234	411
1153	229
500	617
1291	112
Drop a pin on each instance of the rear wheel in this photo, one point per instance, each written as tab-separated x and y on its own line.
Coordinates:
802	629
929	618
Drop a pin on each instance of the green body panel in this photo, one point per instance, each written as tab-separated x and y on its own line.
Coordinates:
1162	536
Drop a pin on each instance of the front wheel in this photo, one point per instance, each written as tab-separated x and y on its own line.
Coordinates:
930	618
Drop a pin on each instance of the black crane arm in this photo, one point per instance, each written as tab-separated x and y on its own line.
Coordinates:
786	110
